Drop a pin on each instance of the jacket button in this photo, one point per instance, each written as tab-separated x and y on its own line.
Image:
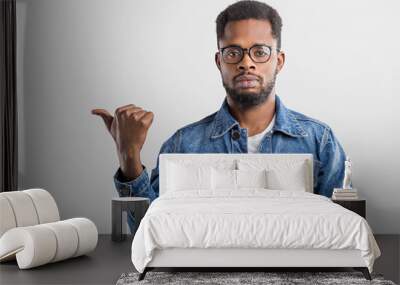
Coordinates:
235	135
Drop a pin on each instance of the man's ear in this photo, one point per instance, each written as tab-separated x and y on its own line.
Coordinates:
218	61
281	61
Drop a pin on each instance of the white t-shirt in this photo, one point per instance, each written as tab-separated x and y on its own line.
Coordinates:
254	141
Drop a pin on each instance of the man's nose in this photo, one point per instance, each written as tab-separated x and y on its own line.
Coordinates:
246	62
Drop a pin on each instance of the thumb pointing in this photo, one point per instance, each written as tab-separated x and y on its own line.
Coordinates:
105	115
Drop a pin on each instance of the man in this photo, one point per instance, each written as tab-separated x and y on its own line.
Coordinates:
251	119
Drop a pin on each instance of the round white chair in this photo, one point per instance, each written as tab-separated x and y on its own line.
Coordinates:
31	231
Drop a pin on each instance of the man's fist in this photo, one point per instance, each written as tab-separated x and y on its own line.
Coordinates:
128	128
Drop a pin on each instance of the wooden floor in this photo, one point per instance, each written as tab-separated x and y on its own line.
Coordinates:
110	260
389	262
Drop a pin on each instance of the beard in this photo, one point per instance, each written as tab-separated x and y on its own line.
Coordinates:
247	100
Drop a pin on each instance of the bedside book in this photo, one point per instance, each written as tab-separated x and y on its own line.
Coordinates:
341	190
344	194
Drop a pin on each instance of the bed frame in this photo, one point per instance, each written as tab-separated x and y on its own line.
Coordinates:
250	259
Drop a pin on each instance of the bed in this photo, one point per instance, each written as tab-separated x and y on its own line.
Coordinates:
245	211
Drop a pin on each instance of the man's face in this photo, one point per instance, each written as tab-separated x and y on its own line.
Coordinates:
249	83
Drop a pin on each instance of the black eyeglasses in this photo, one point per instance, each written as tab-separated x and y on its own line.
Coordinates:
234	54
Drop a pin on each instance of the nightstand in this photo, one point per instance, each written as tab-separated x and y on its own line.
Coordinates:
138	205
358	206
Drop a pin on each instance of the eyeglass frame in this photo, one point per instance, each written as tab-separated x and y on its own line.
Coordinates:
247	50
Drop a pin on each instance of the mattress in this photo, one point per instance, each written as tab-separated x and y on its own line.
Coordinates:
251	219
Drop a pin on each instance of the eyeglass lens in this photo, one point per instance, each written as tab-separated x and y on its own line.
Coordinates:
258	54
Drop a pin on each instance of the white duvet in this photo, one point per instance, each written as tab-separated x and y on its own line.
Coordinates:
251	218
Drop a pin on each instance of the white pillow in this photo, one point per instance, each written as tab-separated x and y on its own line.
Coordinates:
235	179
282	174
185	177
293	179
223	179
251	178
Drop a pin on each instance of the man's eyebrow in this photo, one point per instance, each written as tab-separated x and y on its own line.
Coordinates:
232	45
256	44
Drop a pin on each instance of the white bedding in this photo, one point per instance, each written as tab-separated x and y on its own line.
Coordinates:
250	218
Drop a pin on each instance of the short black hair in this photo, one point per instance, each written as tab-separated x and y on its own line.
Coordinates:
248	9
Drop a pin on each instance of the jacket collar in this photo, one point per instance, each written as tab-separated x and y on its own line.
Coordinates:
285	121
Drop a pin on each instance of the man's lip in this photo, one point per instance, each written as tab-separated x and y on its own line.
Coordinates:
246	78
246	84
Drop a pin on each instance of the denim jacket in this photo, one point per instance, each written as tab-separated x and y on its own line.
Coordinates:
292	132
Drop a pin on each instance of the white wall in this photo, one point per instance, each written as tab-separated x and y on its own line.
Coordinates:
342	67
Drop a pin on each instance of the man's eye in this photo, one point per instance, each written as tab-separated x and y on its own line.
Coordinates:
232	53
260	53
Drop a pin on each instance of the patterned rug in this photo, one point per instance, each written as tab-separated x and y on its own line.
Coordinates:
244	278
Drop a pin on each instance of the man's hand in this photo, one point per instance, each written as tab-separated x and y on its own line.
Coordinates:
128	128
